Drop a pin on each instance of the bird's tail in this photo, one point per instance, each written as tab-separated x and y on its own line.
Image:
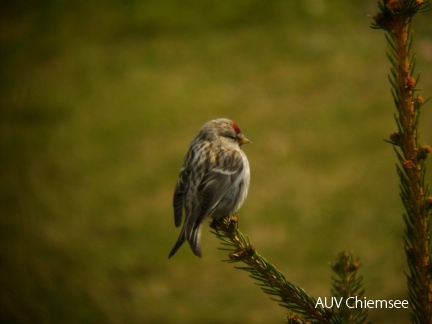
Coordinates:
179	243
194	239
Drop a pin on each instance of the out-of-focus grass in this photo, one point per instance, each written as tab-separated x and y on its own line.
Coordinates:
98	104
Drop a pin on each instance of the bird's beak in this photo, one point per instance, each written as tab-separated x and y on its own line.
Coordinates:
244	140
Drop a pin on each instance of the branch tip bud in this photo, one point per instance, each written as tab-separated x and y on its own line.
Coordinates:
408	164
423	152
395	137
393	5
410	83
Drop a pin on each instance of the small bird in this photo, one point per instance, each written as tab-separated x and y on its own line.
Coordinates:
213	181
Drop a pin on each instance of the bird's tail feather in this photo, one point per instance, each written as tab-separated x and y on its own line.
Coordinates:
195	241
181	239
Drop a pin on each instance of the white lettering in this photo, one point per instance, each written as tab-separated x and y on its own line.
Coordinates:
338	304
381	302
319	303
359	301
355	302
369	303
348	303
330	303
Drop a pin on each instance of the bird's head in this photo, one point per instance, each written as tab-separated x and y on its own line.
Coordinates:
227	131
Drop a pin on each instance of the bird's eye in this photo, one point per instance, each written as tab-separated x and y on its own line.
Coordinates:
231	137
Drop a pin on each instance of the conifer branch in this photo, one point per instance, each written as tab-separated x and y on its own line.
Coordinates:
395	18
302	307
347	286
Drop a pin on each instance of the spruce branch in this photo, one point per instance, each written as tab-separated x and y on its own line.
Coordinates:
301	306
347	284
395	18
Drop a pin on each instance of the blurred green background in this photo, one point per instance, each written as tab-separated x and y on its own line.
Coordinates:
99	101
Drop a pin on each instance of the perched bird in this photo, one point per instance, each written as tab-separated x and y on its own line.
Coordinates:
213	181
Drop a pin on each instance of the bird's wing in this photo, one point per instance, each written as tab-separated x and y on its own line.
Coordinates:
178	199
213	188
209	193
215	184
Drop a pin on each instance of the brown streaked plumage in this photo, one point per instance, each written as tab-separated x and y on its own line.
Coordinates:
213	181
